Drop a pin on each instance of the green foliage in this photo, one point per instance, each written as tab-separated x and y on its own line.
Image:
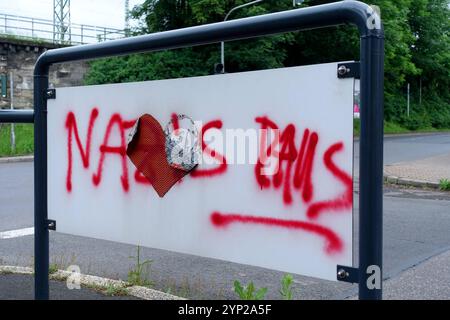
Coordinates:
444	184
417	50
249	292
53	268
389	128
24	139
394	128
356	127
141	67
139	275
115	290
286	290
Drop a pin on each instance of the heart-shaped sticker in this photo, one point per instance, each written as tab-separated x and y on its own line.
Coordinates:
147	151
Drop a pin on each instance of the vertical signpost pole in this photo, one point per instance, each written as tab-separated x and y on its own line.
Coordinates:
41	237
371	166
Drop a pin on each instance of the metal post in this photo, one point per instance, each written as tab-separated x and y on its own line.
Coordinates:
222	43
407	100
420	90
41	237
371	167
11	106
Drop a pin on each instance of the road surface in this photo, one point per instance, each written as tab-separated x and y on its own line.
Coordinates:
416	225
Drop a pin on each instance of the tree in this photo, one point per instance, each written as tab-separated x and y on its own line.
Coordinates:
430	24
416	49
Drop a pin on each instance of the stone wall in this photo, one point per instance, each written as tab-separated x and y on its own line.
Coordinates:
19	57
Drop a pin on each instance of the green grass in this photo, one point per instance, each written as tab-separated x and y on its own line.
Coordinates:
249	292
444	184
286	291
139	275
395	128
114	290
24	140
110	289
53	268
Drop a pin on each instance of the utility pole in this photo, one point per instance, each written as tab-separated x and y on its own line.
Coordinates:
61	21
11	95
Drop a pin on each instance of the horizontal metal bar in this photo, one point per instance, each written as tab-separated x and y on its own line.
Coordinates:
34	30
11	16
16	116
50	22
25	29
45	35
332	14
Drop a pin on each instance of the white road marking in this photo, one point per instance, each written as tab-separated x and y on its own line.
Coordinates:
16	233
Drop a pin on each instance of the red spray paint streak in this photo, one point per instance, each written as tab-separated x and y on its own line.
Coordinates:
266	124
303	160
304	165
175	122
333	242
176	126
71	126
211	153
342	202
288	154
121	150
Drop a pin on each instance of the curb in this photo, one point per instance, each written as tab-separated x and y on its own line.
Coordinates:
16	159
98	283
409	134
410	182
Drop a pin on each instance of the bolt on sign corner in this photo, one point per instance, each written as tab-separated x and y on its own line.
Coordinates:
273	187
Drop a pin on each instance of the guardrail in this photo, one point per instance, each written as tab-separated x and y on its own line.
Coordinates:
46	30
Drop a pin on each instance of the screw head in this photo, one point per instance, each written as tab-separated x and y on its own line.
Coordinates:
342	70
342	274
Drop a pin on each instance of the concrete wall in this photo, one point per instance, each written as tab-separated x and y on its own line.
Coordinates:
19	57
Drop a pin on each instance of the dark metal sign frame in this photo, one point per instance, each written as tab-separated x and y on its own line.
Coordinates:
371	137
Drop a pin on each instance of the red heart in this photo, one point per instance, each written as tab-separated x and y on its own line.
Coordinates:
147	152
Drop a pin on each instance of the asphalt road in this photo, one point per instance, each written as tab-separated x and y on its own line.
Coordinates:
416	225
410	148
21	287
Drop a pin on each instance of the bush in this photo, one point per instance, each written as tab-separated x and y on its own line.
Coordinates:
416	121
439	112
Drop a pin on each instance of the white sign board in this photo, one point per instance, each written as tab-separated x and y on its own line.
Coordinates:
295	219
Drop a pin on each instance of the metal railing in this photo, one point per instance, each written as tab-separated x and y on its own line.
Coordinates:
43	30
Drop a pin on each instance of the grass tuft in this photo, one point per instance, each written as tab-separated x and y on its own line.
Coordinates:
444	185
24	140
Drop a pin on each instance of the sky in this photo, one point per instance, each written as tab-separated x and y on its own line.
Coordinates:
103	13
